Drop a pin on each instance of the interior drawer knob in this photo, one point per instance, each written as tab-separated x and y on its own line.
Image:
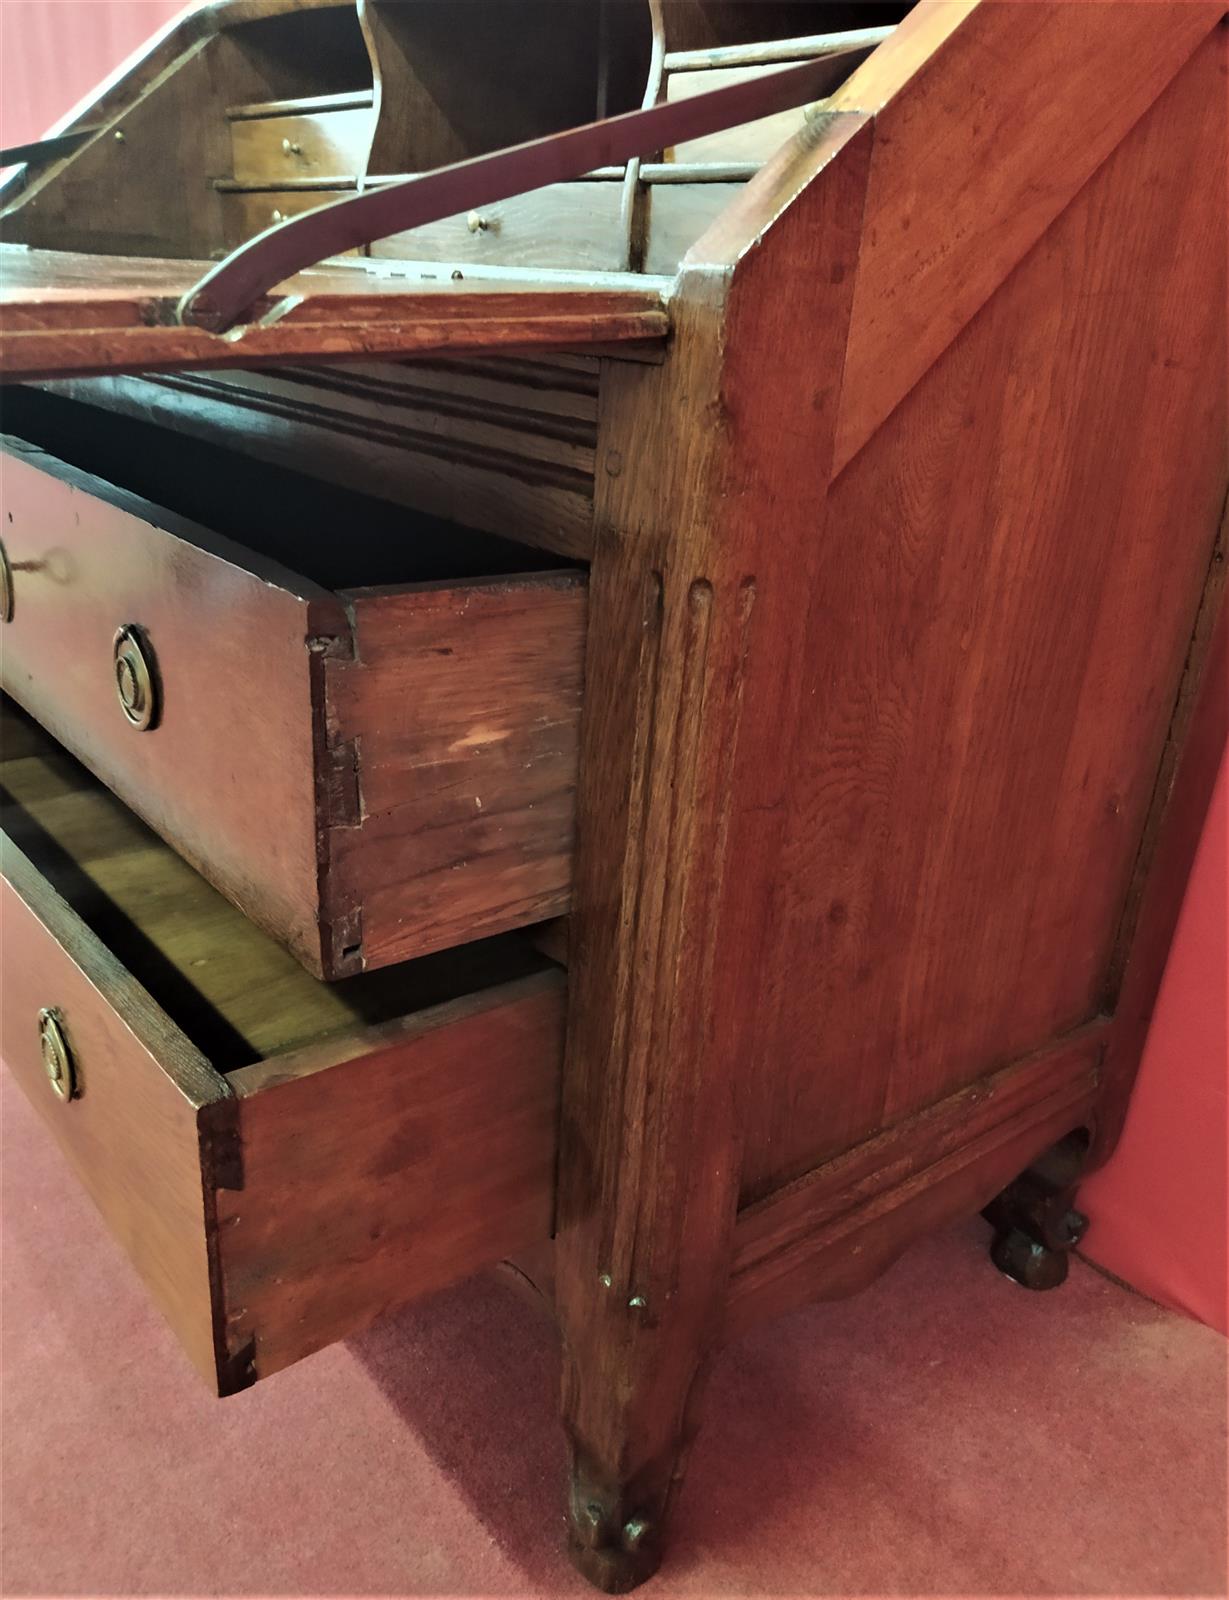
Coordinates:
57	1057
136	679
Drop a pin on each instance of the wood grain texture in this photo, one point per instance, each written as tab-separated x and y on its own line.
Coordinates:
506	444
459	710
697	584
63	314
974	161
429	1154
136	1135
987	692
834	1230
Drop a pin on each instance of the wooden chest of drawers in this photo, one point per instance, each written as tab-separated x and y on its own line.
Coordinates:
764	854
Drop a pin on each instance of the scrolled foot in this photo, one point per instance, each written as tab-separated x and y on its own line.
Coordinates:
615	1550
1035	1224
1026	1262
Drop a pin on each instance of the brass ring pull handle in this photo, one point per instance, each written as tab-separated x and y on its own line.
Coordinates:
57	1057
6	586
136	678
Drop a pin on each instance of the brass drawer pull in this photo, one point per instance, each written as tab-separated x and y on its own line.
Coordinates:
57	1057
6	586
136	680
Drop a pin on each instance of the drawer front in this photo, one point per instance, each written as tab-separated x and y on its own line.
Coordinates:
322	144
225	770
283	1207
568	225
247	213
138	1128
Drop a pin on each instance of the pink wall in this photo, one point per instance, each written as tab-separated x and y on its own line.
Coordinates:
1159	1209
53	52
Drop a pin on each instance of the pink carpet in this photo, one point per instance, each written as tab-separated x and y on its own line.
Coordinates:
944	1433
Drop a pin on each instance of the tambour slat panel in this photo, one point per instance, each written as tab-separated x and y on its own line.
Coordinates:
504	445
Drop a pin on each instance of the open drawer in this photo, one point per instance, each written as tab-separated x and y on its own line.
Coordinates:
357	721
280	1158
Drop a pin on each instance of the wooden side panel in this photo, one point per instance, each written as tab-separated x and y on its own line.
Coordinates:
505	445
526	71
153	167
1011	574
428	1153
833	1231
133	1135
976	154
458	717
227	773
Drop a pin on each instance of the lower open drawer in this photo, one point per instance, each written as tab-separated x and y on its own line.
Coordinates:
282	1159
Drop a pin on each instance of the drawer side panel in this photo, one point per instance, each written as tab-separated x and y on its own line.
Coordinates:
412	1158
459	715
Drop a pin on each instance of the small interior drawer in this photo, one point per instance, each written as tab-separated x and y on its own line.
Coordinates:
280	1158
571	225
319	144
245	213
359	722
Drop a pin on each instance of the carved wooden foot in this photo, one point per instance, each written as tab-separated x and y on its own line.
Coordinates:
1036	1225
614	1535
